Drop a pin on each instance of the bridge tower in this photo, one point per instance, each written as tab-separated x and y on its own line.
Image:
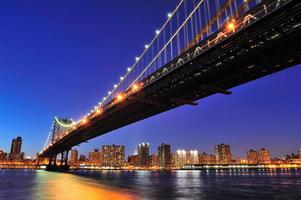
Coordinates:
59	162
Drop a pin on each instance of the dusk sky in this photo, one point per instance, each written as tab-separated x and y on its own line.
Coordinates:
59	58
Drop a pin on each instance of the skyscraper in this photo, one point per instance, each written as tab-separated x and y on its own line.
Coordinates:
223	153
252	156
164	155
15	150
264	156
143	154
113	155
74	156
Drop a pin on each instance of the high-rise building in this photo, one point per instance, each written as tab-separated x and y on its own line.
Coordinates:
15	150
74	157
164	155
264	156
223	153
113	155
95	157
143	154
299	153
252	156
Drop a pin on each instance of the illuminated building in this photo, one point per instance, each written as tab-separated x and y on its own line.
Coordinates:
3	155
113	155
143	154
204	158
223	153
183	157
15	151
164	155
252	156
192	157
95	157
264	156
180	158
74	156
299	153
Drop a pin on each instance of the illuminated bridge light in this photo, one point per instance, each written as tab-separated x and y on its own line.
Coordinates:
231	26
121	78
157	32
135	87
169	15
84	121
146	46
98	111
120	97
129	69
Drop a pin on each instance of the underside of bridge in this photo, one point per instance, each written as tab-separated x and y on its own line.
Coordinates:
266	46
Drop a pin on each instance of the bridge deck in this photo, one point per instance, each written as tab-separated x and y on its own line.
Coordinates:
264	47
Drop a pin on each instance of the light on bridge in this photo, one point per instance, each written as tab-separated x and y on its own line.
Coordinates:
84	121
169	15
135	88
157	32
120	97
98	111
231	26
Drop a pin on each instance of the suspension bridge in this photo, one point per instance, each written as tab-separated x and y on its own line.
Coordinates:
203	48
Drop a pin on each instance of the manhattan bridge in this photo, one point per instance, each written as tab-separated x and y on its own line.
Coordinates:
203	48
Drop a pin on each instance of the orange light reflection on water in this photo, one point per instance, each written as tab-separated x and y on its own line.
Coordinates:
58	186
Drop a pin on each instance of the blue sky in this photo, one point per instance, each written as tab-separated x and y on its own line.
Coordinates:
58	58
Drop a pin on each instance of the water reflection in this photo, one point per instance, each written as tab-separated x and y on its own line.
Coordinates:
234	184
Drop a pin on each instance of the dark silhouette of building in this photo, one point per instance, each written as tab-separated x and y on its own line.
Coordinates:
82	158
133	160
15	151
164	155
143	154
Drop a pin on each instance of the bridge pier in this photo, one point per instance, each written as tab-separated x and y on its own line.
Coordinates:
52	165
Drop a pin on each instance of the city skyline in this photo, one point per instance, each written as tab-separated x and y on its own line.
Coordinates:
264	110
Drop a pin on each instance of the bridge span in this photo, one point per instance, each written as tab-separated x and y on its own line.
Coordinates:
238	42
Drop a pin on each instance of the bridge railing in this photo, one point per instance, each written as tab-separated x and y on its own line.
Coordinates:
190	23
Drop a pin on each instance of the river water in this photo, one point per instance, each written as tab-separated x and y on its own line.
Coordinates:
123	185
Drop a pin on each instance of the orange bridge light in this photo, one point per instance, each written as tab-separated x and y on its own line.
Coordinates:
231	26
135	87
120	97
